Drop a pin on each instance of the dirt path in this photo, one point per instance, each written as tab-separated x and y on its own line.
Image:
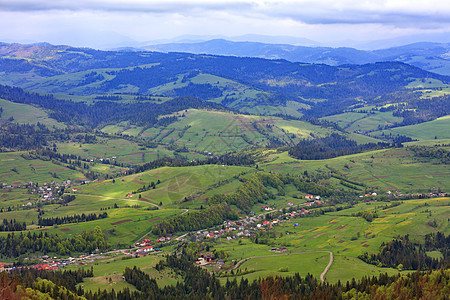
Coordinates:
106	197
322	276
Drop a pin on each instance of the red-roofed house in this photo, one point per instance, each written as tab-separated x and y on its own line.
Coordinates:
148	249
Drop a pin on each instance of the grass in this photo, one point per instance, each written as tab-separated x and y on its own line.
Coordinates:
344	235
389	169
27	114
16	170
217	132
176	183
363	121
303	263
424	131
114	268
344	268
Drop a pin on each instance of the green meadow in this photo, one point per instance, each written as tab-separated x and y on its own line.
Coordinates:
363	121
209	131
438	129
27	114
176	183
389	169
16	170
343	234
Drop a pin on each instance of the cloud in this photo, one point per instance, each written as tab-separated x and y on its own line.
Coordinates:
64	21
304	11
141	6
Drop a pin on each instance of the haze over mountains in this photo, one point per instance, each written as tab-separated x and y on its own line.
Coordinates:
429	56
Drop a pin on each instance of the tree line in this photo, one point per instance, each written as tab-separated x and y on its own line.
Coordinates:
71	219
331	146
104	112
14	245
12	225
194	220
410	255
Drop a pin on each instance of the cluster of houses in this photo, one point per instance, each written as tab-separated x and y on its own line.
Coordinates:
48	191
53	263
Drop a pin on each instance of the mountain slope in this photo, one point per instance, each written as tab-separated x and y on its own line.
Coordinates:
429	56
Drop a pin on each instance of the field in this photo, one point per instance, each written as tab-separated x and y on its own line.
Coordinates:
391	169
346	236
27	114
425	131
114	267
217	132
363	121
176	183
16	170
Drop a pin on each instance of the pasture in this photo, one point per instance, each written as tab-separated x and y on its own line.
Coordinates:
27	114
424	131
17	170
176	183
345	235
382	170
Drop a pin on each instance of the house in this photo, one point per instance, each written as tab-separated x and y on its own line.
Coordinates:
141	253
309	196
148	249
291	203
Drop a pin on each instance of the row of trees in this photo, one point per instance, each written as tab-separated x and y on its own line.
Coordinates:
331	146
14	245
194	220
438	153
104	112
71	219
12	225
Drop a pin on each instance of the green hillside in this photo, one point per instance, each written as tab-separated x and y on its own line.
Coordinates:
26	114
438	128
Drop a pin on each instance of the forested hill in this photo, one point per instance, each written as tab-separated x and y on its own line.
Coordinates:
239	82
101	113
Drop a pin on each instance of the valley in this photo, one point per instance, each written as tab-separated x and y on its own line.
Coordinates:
131	167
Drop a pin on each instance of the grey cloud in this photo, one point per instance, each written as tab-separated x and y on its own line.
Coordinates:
122	6
305	11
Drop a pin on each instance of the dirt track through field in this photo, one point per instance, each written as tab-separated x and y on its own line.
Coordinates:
322	276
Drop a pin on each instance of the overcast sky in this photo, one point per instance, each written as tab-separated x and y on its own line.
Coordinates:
107	23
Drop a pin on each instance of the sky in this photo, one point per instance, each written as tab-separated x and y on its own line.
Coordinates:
113	23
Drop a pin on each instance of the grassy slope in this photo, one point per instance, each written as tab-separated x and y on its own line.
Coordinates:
337	232
27	114
219	132
17	170
384	169
176	183
424	131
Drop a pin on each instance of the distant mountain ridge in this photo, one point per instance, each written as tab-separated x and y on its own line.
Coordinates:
434	57
248	84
